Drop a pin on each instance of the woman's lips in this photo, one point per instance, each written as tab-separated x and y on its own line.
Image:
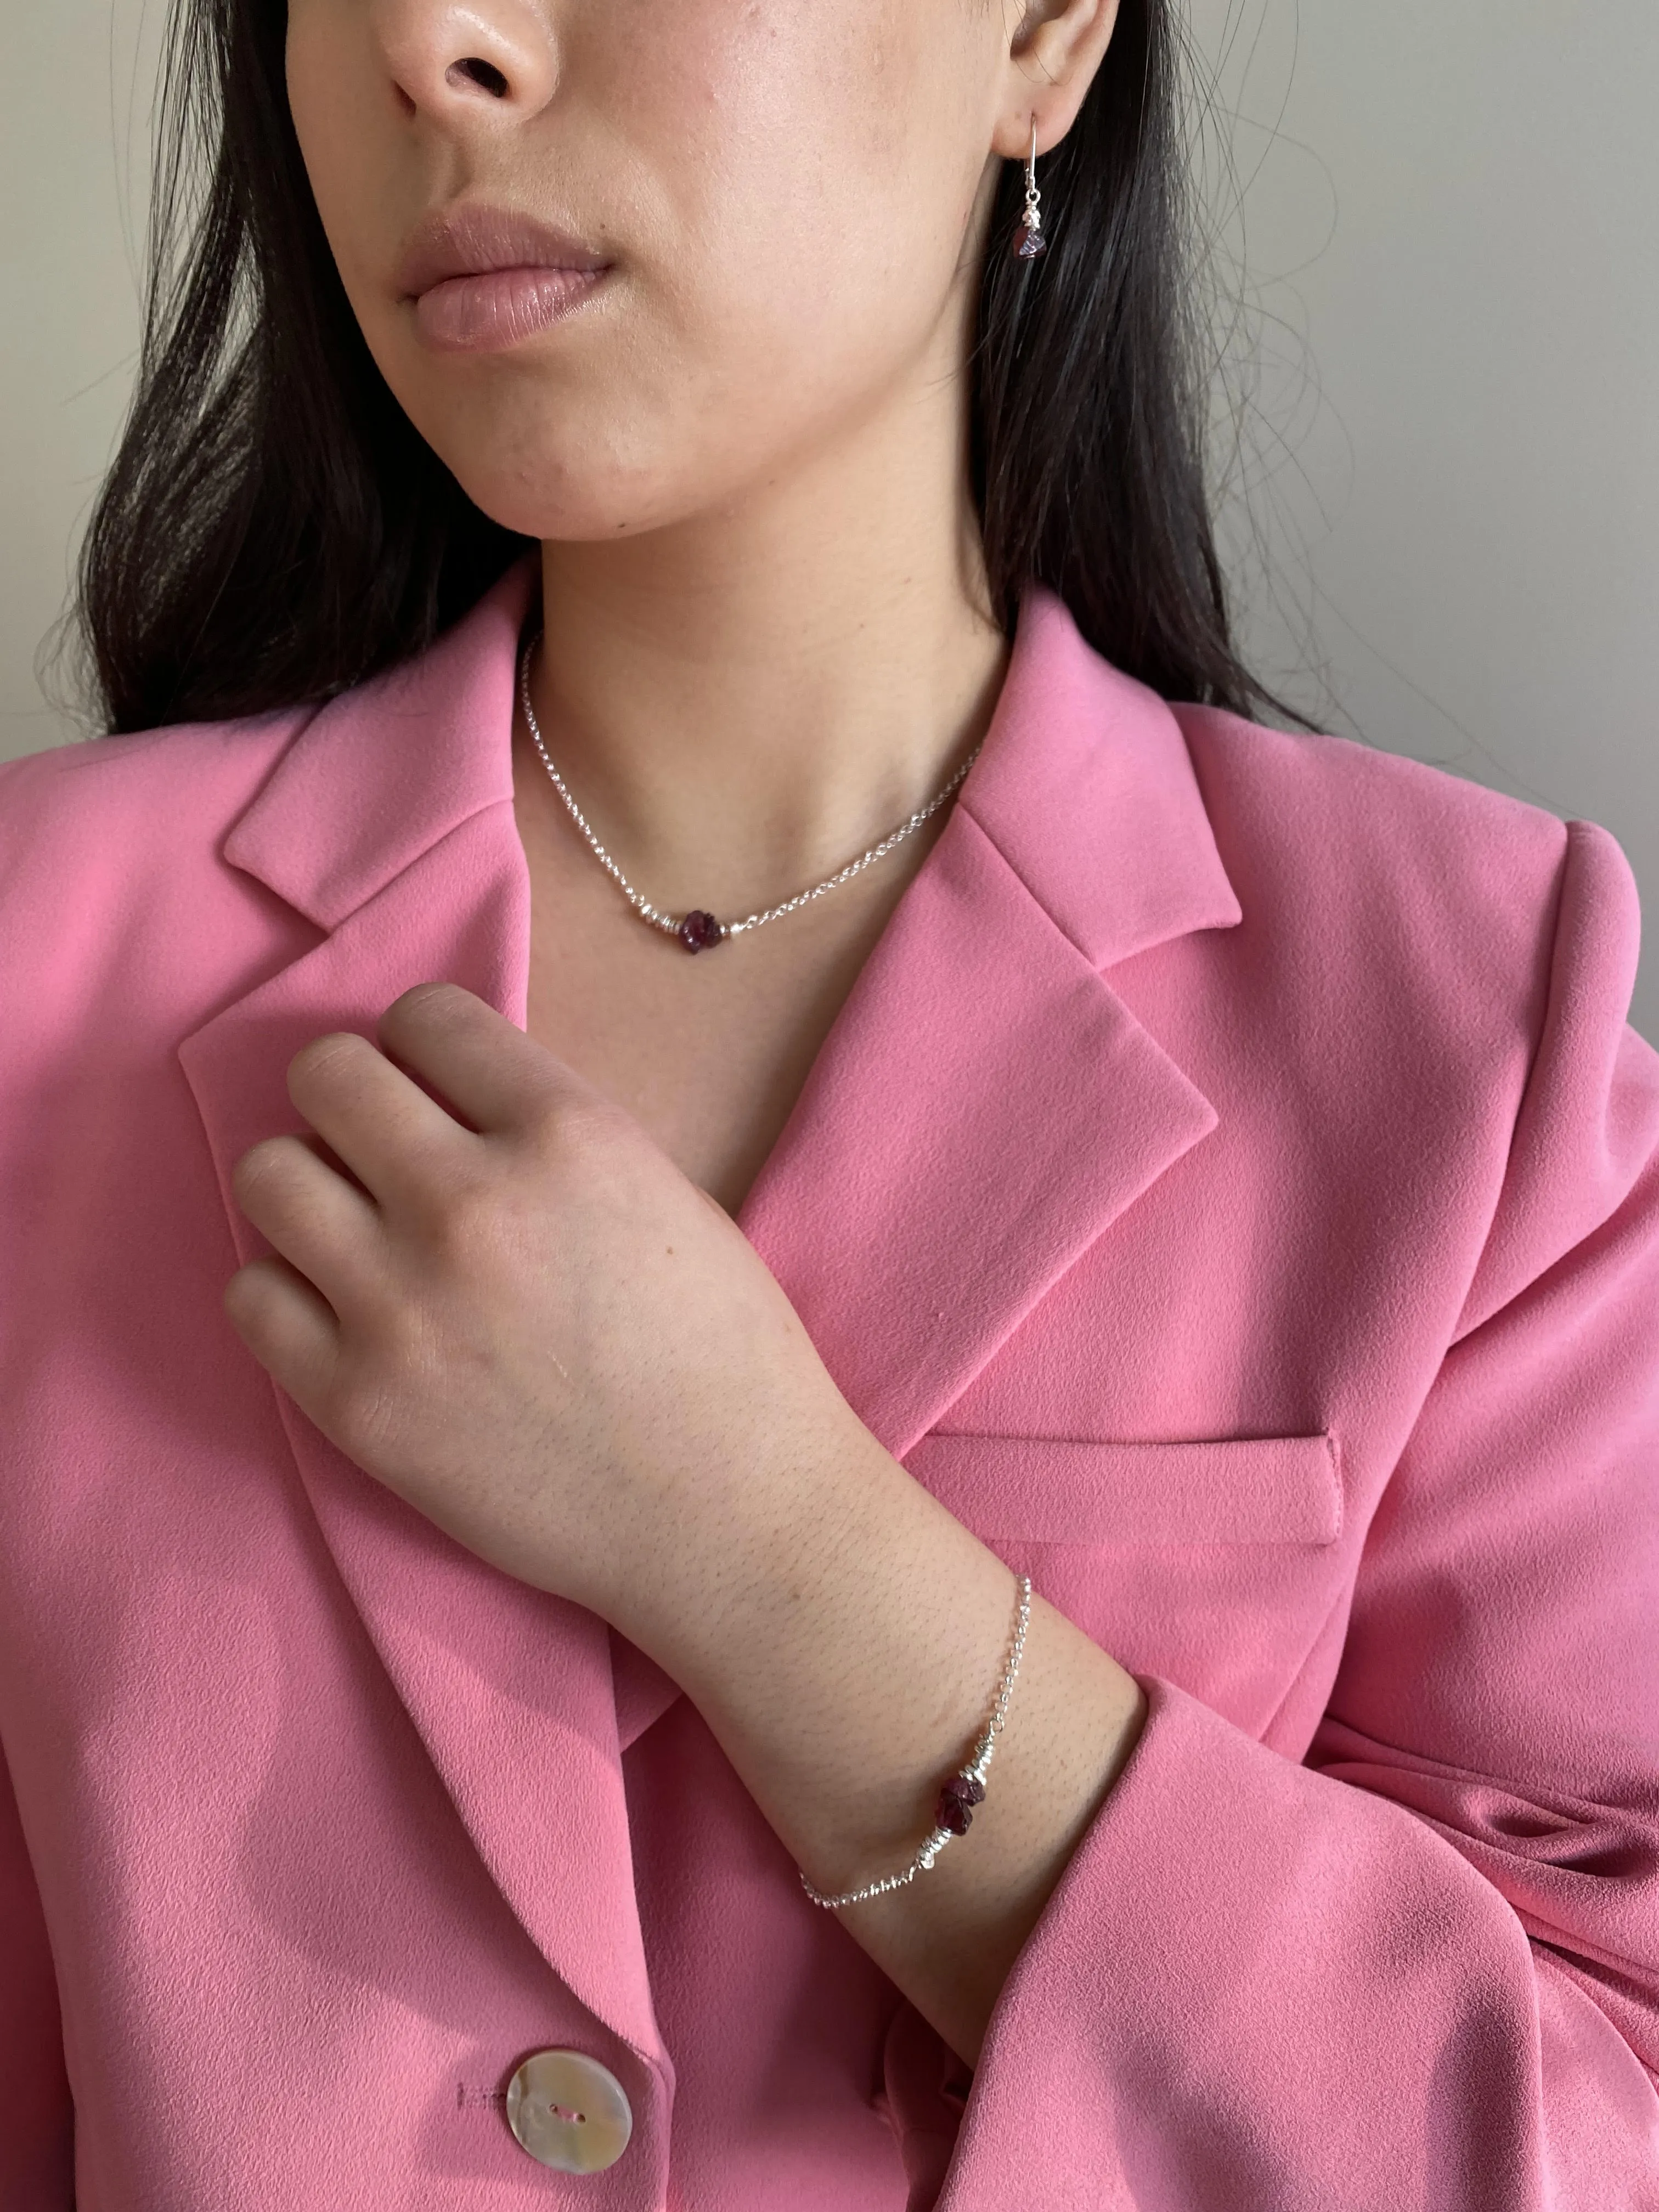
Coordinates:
483	277
499	308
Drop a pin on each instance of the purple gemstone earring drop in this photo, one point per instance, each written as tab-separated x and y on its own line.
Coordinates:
1029	241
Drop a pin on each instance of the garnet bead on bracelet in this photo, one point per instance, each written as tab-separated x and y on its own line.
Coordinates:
953	1814
699	929
960	1794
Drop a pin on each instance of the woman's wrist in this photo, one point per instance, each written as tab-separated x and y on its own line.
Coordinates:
844	1646
835	1625
847	1668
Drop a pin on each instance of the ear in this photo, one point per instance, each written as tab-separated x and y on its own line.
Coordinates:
1054	48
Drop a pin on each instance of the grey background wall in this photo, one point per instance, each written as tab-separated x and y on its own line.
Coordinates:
1437	236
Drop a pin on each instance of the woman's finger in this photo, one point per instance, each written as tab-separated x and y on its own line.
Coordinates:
328	1230
494	1076
399	1143
288	1327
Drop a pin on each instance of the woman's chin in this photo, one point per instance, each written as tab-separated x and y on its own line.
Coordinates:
565	505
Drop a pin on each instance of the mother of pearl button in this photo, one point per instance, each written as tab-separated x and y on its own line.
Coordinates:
569	2112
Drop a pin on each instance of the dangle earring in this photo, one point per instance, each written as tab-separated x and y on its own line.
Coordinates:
1029	241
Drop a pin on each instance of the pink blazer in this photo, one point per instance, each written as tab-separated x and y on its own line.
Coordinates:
1231	1186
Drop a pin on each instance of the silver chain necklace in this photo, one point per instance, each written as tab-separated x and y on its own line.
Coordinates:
699	929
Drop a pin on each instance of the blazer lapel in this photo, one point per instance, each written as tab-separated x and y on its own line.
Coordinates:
388	823
986	1104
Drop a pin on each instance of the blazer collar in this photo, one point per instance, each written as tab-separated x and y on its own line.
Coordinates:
379	775
984	1108
1084	784
1087	788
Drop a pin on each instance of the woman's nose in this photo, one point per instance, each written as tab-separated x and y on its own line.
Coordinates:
456	62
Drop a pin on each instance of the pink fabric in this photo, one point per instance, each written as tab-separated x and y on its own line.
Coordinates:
1232	1186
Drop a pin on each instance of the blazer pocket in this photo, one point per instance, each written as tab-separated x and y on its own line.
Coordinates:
1109	1495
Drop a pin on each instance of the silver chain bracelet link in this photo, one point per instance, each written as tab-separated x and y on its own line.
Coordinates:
965	1788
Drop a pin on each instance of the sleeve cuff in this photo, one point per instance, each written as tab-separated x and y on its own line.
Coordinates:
1256	1986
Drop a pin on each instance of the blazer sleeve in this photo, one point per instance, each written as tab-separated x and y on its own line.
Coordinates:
1420	1967
37	2151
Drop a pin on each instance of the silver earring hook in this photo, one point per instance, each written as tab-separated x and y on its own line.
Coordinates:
1029	241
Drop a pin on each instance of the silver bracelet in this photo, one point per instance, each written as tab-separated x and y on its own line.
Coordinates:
965	1789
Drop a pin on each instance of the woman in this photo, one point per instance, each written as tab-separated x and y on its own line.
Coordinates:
813	1396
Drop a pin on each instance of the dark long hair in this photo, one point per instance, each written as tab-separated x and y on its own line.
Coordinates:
274	529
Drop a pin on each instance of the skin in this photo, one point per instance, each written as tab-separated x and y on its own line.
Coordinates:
523	1303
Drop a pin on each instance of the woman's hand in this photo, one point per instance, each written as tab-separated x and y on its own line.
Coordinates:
523	1318
532	1326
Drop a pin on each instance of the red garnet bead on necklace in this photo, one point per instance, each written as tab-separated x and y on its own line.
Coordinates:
699	929
955	1802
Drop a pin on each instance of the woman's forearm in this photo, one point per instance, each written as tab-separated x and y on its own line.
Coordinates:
843	1635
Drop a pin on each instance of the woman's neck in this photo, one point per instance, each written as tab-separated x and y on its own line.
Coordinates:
742	701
